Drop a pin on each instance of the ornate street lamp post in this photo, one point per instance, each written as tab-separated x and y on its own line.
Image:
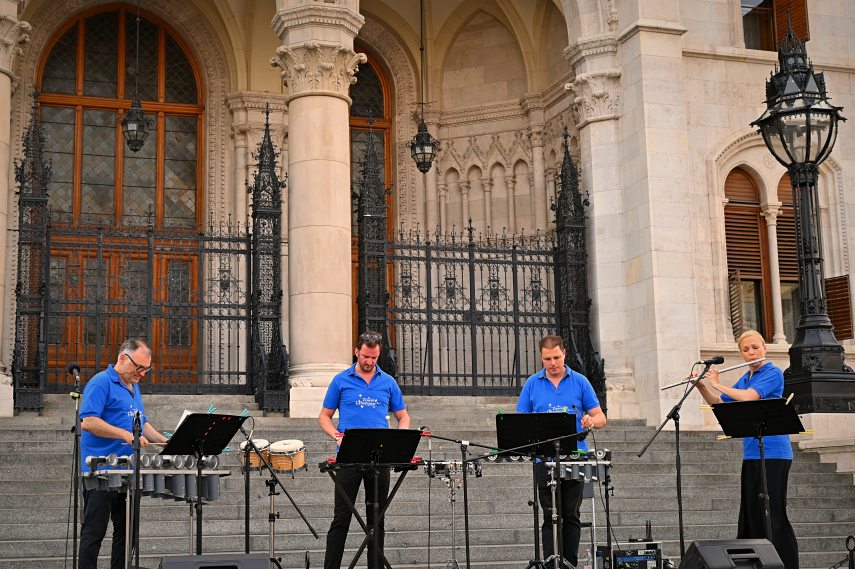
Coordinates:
799	126
423	145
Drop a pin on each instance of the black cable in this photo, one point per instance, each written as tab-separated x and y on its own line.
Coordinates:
607	511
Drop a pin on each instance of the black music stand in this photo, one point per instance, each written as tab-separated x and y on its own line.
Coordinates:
759	418
527	432
202	434
375	449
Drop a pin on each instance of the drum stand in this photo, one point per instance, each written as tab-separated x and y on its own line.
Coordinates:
271	518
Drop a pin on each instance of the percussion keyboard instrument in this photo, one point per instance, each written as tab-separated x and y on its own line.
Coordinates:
179	485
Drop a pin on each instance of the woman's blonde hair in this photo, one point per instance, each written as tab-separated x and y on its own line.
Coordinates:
747	334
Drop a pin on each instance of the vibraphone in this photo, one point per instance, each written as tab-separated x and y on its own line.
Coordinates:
168	483
179	485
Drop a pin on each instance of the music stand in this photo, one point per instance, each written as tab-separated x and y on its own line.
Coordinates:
759	418
540	435
375	449
202	434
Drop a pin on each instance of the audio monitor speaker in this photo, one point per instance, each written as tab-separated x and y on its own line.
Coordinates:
731	554
219	561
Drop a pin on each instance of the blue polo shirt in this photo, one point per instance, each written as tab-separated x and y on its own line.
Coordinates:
106	397
768	381
539	395
363	404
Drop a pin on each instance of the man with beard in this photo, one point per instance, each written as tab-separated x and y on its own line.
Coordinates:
364	395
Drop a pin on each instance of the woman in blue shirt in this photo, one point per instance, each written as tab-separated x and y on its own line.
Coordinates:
763	380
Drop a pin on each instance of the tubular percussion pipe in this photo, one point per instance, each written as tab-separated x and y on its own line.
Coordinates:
731	368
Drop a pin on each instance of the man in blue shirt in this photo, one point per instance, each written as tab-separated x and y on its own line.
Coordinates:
364	395
558	389
111	399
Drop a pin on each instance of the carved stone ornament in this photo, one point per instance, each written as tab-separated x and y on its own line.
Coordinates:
596	97
315	69
13	34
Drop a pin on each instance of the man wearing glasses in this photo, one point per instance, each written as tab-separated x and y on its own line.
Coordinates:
111	400
364	395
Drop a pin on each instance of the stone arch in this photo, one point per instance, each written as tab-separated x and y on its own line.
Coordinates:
504	72
202	41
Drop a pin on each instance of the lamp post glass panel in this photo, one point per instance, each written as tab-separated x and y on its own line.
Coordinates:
799	126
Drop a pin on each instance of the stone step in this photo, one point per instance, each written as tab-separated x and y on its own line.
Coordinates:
518	544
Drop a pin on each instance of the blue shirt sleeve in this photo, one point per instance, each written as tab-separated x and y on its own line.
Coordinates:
768	383
524	402
589	397
396	399
333	396
94	399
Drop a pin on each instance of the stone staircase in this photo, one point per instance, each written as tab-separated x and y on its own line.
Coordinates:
35	482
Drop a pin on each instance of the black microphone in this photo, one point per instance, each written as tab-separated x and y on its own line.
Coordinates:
74	370
715	360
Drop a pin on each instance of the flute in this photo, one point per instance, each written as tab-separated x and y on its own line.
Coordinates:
731	368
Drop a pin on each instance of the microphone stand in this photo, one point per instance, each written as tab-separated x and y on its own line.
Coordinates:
135	499
464	446
74	370
250	443
675	415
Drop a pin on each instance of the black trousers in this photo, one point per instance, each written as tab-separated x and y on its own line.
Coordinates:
751	523
99	507
350	480
571	502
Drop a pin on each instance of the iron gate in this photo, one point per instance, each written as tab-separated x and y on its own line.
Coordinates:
467	312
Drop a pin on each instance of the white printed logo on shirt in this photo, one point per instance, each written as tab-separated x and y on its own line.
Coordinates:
553	408
364	401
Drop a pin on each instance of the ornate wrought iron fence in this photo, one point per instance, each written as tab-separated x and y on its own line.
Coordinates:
188	294
209	303
467	311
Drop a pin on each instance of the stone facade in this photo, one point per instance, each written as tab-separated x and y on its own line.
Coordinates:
657	95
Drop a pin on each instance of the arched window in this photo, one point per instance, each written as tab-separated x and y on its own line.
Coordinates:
371	109
750	262
86	83
105	283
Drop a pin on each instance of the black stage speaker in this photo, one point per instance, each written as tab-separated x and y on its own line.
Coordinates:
219	561
731	554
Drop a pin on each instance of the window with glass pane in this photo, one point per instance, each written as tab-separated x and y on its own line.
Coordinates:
116	186
791	308
58	128
752	308
179	186
758	24
367	93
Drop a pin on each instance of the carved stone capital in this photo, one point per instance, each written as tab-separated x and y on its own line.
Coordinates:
596	97
590	48
292	21
535	135
464	187
770	211
316	69
13	34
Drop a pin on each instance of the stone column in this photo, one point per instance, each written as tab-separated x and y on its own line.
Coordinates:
318	66
551	198
512	206
431	206
13	34
442	191
464	201
487	186
770	212
533	106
